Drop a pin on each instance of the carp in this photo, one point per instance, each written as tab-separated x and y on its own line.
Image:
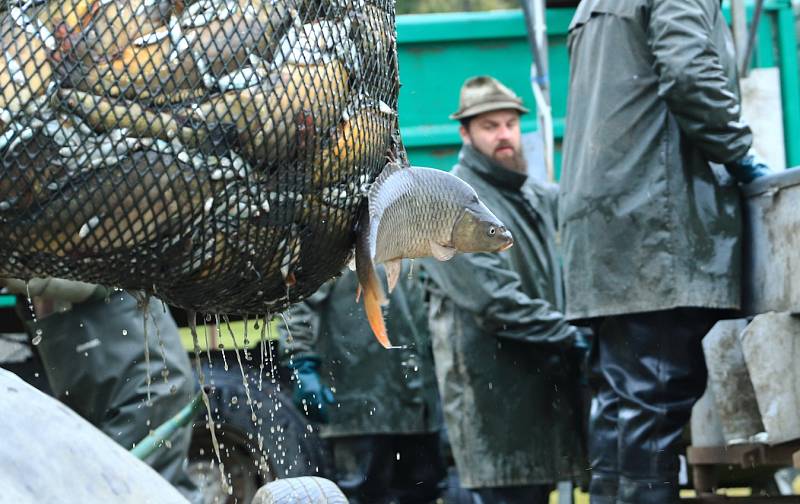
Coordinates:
418	212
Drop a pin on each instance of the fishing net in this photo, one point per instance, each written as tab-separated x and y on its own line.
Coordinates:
212	153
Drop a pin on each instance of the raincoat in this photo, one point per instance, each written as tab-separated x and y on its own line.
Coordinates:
94	359
650	222
377	391
508	383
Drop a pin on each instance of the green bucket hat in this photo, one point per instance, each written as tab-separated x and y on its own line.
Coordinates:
485	94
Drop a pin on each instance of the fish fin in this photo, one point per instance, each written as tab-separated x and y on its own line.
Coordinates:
388	170
441	252
393	272
369	283
372	306
352	264
358	293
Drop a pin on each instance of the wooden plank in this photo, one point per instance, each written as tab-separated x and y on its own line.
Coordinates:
744	455
796	459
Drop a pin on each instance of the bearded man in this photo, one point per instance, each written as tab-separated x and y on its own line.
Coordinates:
505	358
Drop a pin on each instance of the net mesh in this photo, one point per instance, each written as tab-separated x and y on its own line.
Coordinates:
212	153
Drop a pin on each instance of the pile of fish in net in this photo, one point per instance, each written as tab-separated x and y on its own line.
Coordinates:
212	153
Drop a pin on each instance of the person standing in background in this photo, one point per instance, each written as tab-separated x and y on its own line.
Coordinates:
651	223
378	408
506	359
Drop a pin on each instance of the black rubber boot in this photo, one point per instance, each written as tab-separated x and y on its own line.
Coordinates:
363	466
603	488
653	363
660	490
603	435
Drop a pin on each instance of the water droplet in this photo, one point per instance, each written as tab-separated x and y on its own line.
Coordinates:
234	400
37	338
124	332
398	455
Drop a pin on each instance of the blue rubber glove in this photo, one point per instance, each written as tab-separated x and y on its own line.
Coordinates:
581	347
582	344
311	396
747	169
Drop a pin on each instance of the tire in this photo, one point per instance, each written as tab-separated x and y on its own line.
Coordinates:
290	446
309	488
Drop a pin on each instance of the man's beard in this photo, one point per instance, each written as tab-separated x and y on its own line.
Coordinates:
515	163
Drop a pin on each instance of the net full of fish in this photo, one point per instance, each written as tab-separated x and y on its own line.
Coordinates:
214	153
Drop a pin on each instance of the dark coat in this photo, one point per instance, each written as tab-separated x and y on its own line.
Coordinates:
649	220
501	344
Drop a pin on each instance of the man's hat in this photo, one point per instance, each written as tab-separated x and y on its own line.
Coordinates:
485	94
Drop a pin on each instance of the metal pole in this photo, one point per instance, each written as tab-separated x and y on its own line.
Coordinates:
739	25
540	79
744	63
790	83
153	441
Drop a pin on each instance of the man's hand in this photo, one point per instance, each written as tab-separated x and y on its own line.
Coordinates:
747	169
58	289
310	395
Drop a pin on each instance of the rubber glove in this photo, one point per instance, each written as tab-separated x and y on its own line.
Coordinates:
581	347
311	396
747	169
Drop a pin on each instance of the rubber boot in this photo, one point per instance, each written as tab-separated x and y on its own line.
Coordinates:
603	436
654	364
657	490
603	488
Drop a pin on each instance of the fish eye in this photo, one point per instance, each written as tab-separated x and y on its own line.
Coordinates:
492	230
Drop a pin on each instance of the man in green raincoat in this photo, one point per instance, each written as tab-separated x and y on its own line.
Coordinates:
653	152
92	342
378	407
505	357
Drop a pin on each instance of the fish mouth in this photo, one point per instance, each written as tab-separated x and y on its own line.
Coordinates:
509	241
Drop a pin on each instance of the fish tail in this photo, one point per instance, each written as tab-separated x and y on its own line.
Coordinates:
369	284
372	306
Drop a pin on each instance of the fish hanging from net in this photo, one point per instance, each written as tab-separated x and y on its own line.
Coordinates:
213	153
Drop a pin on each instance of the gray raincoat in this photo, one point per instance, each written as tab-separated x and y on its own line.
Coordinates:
506	376
650	222
378	391
94	359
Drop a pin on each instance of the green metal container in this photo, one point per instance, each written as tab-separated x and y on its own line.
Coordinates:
439	51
